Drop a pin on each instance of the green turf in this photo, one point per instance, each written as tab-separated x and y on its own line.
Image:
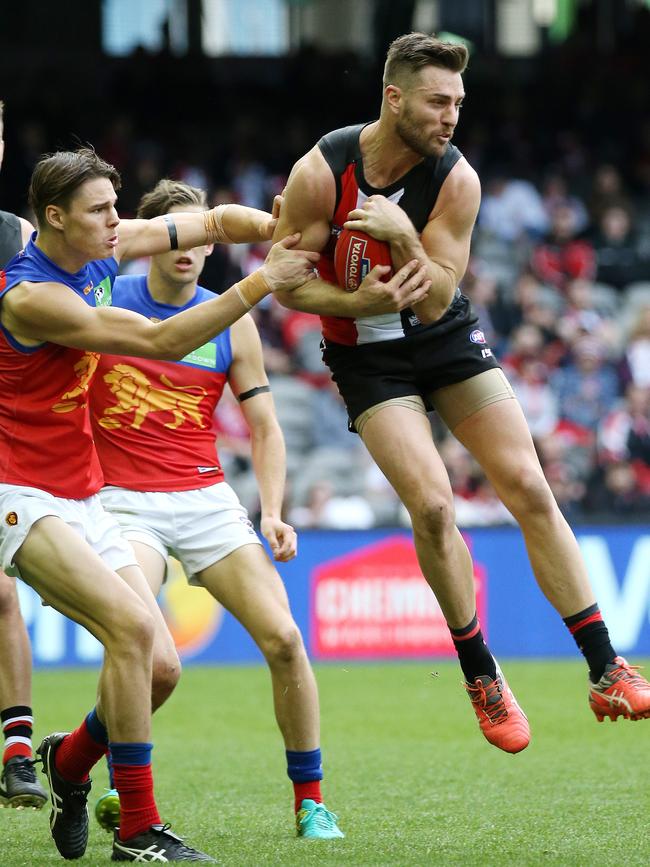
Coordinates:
407	770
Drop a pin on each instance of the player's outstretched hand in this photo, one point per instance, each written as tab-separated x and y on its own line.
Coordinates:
281	537
406	287
381	218
286	268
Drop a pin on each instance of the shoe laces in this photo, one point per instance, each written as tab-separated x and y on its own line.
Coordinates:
23	770
321	817
489	698
625	671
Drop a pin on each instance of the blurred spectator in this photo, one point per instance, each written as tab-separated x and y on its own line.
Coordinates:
582	316
530	302
619	261
636	359
624	433
555	193
511	209
616	490
607	192
329	418
327	510
588	386
527	344
562	255
538	400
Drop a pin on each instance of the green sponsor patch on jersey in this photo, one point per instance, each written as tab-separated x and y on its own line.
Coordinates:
204	356
103	293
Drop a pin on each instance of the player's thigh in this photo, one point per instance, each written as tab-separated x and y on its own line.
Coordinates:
400	441
71	577
247	584
499	439
152	563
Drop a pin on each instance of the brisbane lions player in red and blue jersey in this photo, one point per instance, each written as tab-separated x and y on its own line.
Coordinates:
400	180
155	433
56	318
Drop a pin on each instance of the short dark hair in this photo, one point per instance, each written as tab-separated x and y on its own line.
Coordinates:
414	51
168	194
56	178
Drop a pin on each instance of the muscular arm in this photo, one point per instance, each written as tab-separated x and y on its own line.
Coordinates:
308	207
445	242
149	237
267	443
38	312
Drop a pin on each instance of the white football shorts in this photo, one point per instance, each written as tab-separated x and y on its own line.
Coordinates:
197	527
21	507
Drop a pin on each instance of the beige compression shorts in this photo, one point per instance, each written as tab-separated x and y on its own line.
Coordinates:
453	403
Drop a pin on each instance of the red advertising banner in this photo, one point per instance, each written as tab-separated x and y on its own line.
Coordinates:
374	602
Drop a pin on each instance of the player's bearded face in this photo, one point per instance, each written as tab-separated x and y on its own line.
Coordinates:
428	110
415	134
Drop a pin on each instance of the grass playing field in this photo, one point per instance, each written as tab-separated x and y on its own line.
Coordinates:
406	769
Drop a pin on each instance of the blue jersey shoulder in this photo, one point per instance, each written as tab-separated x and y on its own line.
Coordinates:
131	292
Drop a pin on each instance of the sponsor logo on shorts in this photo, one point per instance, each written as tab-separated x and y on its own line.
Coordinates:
486	353
11	518
248	524
477	336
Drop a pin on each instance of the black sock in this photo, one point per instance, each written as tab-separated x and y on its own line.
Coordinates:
473	654
592	637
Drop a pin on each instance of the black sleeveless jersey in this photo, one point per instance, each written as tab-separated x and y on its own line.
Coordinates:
11	241
416	193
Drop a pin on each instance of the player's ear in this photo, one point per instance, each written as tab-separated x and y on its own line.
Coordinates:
393	97
208	249
54	217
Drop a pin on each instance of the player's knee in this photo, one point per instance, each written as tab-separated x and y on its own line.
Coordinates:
284	647
434	518
132	628
166	673
529	495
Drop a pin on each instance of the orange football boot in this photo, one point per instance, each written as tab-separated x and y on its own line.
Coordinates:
500	718
620	692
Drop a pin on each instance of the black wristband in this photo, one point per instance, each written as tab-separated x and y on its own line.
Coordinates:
253	391
173	235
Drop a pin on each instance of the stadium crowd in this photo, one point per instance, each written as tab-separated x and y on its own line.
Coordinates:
560	267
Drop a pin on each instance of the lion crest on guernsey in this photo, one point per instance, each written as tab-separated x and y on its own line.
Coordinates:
135	394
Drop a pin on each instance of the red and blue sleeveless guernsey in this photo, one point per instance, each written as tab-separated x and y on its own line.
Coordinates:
46	439
154	420
416	193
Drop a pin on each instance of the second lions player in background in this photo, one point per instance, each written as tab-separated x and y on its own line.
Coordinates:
153	424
